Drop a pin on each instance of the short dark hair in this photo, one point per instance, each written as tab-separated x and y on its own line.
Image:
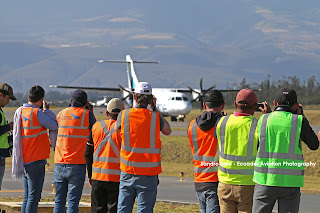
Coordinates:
4	92
215	104
36	93
113	116
143	99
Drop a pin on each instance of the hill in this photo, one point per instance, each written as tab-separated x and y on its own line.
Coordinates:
223	41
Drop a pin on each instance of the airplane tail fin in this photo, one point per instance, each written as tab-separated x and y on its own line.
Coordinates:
132	77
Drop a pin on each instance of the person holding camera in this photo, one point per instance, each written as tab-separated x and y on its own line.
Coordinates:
140	154
279	167
6	93
75	123
31	146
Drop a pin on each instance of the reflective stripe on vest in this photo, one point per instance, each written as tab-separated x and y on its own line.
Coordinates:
33	127
76	127
109	139
128	148
4	137
290	155
96	157
247	158
36	145
198	157
151	150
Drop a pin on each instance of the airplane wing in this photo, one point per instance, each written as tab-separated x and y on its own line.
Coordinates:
187	90
88	88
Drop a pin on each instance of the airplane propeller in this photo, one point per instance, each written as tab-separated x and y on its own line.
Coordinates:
129	96
201	94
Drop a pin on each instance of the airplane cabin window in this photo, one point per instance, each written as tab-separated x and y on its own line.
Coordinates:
185	98
178	98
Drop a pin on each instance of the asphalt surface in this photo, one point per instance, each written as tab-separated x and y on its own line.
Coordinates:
170	189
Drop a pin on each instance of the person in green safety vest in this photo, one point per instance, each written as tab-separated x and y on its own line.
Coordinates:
6	93
237	142
279	167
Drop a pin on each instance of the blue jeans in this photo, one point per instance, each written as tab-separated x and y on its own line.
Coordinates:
208	200
33	179
2	169
141	186
68	180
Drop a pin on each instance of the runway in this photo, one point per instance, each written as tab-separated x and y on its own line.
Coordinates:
170	189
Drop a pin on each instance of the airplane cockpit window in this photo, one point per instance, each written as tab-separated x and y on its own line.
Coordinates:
185	98
171	98
178	98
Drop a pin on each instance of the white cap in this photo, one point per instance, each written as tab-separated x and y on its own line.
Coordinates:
143	88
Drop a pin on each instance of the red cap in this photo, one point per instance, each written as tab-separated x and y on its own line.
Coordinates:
246	97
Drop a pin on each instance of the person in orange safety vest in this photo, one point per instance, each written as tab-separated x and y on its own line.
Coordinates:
140	155
75	123
204	150
31	146
103	160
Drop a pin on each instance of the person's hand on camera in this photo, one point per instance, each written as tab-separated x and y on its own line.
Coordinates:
46	105
153	103
266	108
11	125
300	110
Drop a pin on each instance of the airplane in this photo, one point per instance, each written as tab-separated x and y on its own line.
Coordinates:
170	101
102	102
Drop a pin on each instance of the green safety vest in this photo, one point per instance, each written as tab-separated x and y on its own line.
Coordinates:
279	159
4	137
238	139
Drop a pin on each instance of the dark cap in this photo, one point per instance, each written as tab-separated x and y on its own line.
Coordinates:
213	96
80	96
7	88
287	96
246	97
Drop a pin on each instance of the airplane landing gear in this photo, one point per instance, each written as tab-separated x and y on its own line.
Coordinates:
173	118
180	118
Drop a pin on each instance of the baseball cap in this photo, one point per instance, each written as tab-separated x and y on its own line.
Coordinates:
80	96
213	96
143	88
115	105
287	96
7	88
246	97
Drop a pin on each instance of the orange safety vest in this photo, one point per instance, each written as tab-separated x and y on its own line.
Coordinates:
35	141
204	150
72	136
141	146
106	156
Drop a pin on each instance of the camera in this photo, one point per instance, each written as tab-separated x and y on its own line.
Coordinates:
259	105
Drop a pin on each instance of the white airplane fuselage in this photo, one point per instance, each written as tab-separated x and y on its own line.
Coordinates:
172	103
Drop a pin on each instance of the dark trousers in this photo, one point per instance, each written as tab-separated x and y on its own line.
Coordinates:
265	197
104	196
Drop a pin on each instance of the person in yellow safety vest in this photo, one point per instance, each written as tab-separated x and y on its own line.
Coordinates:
31	146
204	150
279	167
75	123
140	154
238	141
103	161
6	93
